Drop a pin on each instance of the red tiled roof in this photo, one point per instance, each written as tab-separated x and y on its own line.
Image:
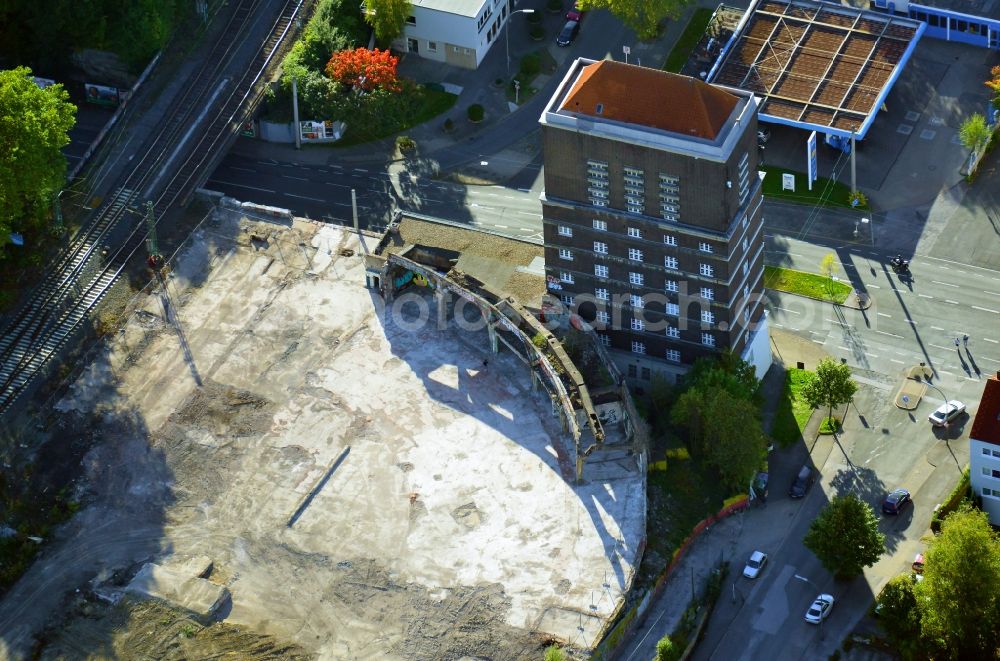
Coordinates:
649	97
986	426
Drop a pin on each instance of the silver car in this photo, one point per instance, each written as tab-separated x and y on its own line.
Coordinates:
755	565
946	413
820	609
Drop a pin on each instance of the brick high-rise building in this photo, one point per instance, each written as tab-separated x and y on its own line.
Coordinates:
652	215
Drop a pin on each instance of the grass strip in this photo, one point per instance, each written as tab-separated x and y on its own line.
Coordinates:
806	284
688	40
793	412
825	192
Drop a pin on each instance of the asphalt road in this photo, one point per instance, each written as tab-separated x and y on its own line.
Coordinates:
324	192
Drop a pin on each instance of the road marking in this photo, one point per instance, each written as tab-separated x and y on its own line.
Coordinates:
946	268
288	176
833	321
303	197
989	340
948	300
883	314
938	346
528	213
991	292
976	307
503	227
946	284
236	167
330	183
890	334
361	170
779	325
524	190
337	167
844	348
924	296
787	310
946	372
910	321
871	355
897	361
271	162
229	183
936	328
873	286
819	341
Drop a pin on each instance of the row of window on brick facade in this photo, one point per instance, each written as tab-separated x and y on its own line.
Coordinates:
672	355
636	255
638	233
602	298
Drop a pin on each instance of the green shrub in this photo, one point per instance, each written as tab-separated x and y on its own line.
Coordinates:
666	650
449	125
955	498
554	6
405	143
535	18
531	65
437	87
539	341
554	653
537	32
476	112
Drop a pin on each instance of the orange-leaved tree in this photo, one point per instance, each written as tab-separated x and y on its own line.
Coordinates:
994	84
364	69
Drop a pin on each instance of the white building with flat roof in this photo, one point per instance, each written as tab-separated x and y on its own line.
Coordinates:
984	450
456	32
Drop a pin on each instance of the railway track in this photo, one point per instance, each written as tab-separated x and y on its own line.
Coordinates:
203	120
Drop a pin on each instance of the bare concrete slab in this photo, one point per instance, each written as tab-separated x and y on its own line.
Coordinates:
362	485
178	589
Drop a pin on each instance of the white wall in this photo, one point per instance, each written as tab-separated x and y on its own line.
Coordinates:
758	350
978	461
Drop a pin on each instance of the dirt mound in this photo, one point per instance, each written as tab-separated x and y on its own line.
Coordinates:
225	411
149	630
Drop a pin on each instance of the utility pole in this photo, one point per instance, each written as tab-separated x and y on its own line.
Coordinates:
854	168
296	129
155	259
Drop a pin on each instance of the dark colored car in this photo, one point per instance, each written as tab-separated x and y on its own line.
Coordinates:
568	33
574	14
896	501
802	482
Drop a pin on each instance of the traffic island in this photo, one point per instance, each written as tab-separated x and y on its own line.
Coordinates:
913	388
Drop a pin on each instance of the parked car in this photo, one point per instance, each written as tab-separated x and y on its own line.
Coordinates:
568	33
755	565
820	609
574	14
803	481
946	413
895	501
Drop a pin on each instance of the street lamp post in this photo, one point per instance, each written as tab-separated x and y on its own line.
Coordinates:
507	31
814	587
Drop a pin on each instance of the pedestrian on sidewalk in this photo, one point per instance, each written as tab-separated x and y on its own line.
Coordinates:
965	341
956	342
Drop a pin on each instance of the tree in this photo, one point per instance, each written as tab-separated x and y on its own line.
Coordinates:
827	267
960	593
994	85
845	536
34	126
723	430
387	17
830	386
899	613
974	133
364	69
643	16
